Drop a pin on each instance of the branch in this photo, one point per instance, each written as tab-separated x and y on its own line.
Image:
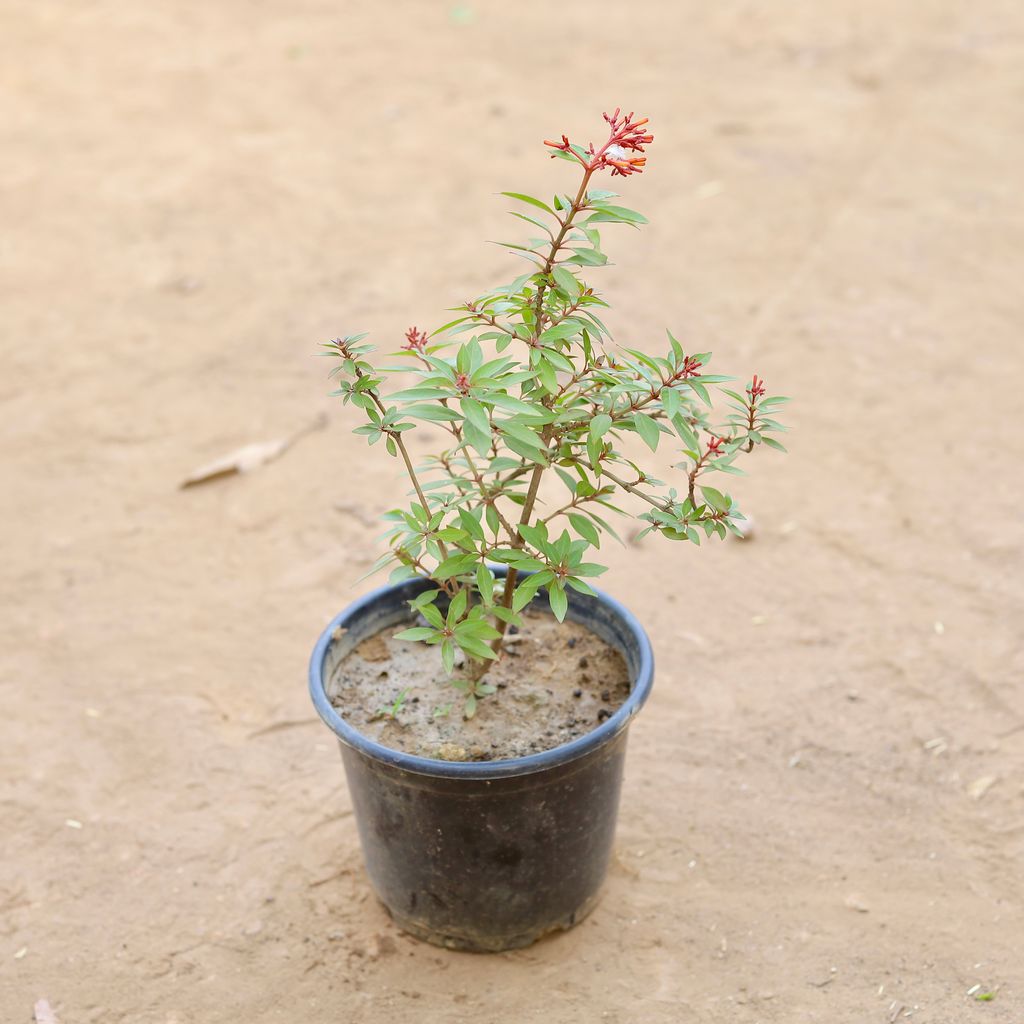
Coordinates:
602	492
397	436
664	506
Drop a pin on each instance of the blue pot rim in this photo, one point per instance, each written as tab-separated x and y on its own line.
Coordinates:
483	770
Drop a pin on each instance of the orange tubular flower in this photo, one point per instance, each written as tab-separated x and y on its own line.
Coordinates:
625	137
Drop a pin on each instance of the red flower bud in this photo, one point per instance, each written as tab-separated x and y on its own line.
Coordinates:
415	341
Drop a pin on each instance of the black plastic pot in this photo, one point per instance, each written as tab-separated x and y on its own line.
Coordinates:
492	855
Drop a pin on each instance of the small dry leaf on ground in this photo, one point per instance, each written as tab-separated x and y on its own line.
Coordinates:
979	787
244	459
248	457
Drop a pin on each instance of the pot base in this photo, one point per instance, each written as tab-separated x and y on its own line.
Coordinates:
468	942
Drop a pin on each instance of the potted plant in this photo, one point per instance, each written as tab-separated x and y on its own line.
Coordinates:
486	805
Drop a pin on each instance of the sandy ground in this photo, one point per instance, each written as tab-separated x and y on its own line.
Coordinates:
823	818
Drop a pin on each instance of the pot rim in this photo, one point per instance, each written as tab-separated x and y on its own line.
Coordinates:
481	770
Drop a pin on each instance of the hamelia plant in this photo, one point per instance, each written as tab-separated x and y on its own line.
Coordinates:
536	390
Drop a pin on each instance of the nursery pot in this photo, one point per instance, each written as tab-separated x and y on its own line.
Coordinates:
492	855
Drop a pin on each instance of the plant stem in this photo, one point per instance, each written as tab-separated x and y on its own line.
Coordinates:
397	438
556	245
538	471
664	506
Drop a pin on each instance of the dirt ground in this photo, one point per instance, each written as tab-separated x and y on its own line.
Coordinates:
823	815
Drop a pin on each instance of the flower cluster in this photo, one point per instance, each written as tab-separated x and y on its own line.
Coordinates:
625	136
415	341
756	389
690	368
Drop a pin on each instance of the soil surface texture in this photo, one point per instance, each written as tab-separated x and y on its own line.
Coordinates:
822	816
554	683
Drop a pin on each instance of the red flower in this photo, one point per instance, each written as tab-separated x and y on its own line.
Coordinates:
756	389
690	368
415	341
715	445
625	136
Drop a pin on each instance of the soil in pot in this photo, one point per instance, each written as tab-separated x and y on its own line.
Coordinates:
555	683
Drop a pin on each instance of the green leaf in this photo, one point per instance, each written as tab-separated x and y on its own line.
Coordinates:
434	413
527	451
477	648
506	615
527	590
587	258
457	608
558	601
647	429
533	413
530	220
580	586
600	425
702	392
491	515
454	566
471	524
685	432
594	449
448	655
418	394
433	616
585	528
476	438
427	597
536	535
479	628
716	499
670	402
569	482
476	415
530	199
485	583
447	326
416	633
566	280
511	428
453	535
546	375
616	214
525	562
558	361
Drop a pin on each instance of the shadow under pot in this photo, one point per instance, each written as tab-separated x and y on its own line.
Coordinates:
484	856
